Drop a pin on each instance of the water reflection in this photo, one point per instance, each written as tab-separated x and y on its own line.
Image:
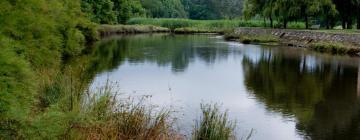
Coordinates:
320	94
162	49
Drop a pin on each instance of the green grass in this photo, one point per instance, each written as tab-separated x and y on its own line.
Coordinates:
205	25
105	30
173	23
213	124
188	30
247	39
331	47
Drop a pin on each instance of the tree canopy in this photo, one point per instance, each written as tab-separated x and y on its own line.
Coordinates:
325	12
119	11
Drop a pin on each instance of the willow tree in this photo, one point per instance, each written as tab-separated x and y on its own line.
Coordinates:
356	4
285	10
291	10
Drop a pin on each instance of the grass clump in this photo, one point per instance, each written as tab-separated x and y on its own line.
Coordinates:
108	117
247	39
330	47
105	30
213	125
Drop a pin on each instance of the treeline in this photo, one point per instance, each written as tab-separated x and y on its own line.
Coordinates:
328	13
119	11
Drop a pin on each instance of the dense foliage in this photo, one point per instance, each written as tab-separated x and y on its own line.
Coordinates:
112	11
36	36
164	8
213	9
119	11
324	12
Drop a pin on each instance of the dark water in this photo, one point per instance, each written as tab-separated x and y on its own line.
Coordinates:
282	93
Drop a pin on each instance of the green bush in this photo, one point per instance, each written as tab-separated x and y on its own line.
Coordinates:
35	35
16	94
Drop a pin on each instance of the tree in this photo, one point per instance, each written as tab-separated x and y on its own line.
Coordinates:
164	8
292	10
345	14
99	11
125	9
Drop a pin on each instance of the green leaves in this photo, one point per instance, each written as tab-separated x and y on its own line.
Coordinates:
112	11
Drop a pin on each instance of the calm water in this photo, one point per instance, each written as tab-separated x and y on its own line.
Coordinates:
282	93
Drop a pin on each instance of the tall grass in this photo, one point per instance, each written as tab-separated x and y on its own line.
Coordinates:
105	30
210	25
174	23
247	39
331	47
213	124
108	116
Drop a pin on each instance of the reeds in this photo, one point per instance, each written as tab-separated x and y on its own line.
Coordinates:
109	117
105	30
213	125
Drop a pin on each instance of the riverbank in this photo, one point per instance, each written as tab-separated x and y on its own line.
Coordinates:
207	25
336	42
107	30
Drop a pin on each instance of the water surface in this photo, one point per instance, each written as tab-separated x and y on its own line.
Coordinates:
282	93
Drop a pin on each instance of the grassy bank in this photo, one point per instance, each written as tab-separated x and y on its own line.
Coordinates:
334	47
106	30
253	39
188	25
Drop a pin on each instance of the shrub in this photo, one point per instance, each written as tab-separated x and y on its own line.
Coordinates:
16	94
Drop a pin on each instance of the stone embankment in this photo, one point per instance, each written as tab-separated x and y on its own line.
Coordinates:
303	38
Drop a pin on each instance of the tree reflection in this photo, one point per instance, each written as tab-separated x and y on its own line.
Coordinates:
322	97
177	51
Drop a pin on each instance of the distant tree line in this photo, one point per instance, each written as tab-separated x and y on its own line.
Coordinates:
119	11
327	12
213	9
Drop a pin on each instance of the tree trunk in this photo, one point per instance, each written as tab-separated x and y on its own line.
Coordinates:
358	19
327	24
306	22
349	23
343	24
271	22
264	21
358	82
285	23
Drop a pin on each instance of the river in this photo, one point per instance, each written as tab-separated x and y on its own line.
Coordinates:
279	92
